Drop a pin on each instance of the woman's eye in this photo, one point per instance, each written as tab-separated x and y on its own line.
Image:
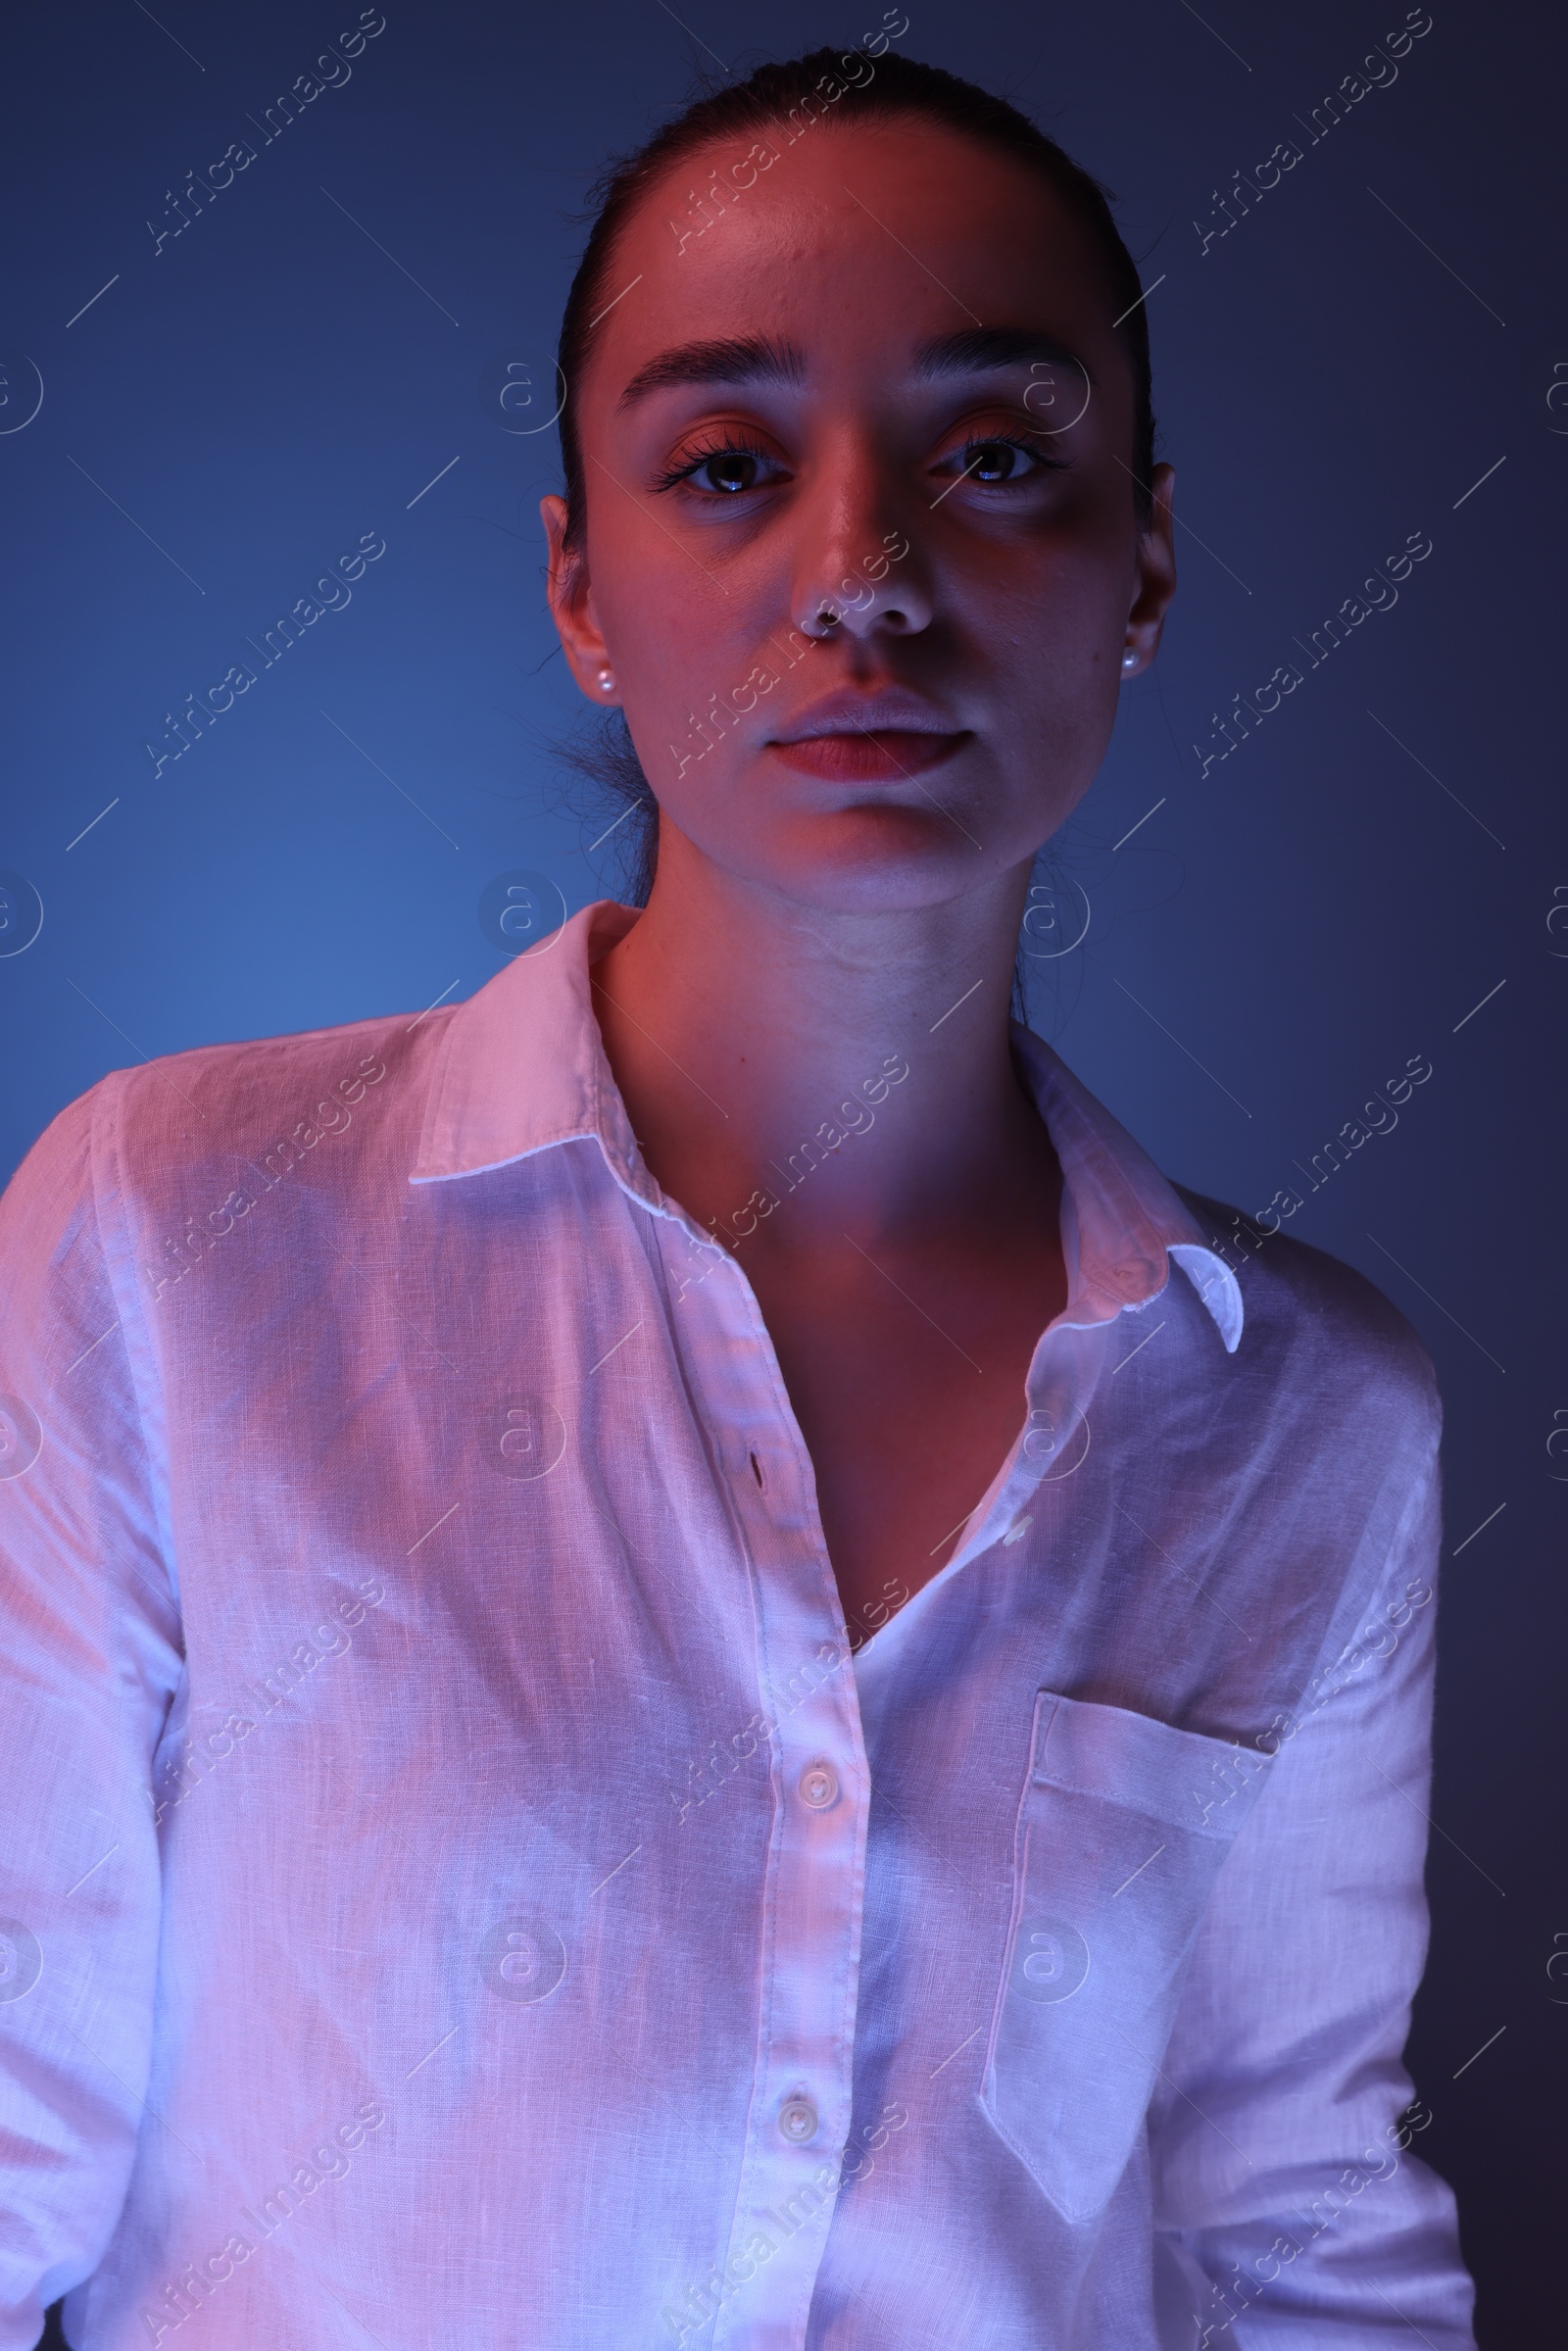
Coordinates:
725	472
997	461
732	471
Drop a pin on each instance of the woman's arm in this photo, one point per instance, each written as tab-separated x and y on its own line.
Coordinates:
89	1658
1293	2207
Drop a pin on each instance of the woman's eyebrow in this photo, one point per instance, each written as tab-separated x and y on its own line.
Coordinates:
743	358
980	347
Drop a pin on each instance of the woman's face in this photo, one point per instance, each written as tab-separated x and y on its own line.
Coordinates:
882	386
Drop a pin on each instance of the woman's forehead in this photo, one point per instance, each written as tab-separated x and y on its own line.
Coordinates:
868	241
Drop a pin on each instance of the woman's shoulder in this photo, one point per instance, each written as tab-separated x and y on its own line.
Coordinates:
1317	1332
156	1132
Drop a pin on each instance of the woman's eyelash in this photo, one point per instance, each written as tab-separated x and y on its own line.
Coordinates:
729	446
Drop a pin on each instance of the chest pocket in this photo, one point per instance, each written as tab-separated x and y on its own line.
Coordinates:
1122	1830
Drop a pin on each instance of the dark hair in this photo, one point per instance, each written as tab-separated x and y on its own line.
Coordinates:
777	95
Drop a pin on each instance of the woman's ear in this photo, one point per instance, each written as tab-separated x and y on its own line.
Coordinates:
1156	575
571	608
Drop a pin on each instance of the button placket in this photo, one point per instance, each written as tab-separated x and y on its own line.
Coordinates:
814	1892
802	2092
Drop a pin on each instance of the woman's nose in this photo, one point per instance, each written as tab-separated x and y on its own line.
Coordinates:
855	571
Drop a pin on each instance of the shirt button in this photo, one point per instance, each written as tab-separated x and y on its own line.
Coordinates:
797	2121
820	1788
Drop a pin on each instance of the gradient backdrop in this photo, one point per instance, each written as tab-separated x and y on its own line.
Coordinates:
1380	872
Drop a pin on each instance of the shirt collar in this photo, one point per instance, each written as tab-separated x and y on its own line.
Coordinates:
1121	1219
521	1067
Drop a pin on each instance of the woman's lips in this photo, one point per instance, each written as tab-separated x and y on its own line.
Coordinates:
877	753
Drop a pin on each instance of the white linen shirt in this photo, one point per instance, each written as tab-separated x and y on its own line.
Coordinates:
463	1881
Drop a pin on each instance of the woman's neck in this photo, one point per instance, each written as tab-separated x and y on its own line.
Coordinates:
855	1064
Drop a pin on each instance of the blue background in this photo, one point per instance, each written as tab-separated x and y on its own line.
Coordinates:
1279	937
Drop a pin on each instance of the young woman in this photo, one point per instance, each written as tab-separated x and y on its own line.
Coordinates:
688	1663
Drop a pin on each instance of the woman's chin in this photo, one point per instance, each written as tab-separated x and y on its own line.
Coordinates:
874	857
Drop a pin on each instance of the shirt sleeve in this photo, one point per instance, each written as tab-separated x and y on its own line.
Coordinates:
1292	2211
90	1661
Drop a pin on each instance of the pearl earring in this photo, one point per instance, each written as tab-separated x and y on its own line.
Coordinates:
1129	660
607	680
